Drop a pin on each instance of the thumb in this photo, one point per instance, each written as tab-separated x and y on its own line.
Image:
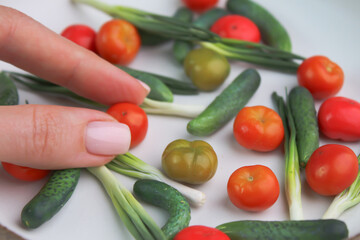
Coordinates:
56	137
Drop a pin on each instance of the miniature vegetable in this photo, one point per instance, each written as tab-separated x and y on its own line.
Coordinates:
193	162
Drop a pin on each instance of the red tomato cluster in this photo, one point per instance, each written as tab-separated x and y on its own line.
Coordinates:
117	41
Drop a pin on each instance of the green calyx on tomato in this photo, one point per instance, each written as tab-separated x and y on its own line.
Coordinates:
339	118
206	68
189	162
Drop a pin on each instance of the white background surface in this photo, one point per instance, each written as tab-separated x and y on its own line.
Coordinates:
329	28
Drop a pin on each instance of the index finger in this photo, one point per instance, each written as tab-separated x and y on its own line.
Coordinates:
31	46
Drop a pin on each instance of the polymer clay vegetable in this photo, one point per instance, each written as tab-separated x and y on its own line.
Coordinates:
321	76
258	128
134	117
25	173
168	198
330	229
273	33
339	118
226	105
302	108
82	35
236	27
200	232
331	169
8	91
190	162
253	188
206	68
51	198
118	41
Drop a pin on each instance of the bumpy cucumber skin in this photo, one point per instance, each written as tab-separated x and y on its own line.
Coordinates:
208	18
51	198
168	198
8	91
307	131
329	229
182	48
159	91
225	106
272	31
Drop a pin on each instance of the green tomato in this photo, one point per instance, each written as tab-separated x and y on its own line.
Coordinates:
206	68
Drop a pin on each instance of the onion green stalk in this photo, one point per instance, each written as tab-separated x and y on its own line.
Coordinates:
345	200
150	106
130	165
254	53
136	219
292	167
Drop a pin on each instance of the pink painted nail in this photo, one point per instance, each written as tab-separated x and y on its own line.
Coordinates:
107	138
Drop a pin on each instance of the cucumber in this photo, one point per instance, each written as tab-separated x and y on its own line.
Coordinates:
303	110
51	198
329	229
168	198
272	31
226	105
208	18
8	91
159	91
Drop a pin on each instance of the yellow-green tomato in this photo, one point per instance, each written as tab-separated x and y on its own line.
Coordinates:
193	162
206	68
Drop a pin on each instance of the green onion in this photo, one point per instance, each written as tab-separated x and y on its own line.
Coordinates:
345	200
133	215
150	106
255	53
130	165
292	168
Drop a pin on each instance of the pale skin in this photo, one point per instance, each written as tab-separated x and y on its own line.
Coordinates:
56	137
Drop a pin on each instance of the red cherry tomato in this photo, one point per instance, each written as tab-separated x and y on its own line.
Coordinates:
339	118
133	116
253	188
200	5
237	27
331	169
118	41
82	35
24	173
258	128
200	232
322	77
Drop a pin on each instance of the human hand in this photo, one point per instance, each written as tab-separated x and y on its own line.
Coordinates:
56	137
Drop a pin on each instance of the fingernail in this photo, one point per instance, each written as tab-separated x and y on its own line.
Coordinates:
145	86
107	138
